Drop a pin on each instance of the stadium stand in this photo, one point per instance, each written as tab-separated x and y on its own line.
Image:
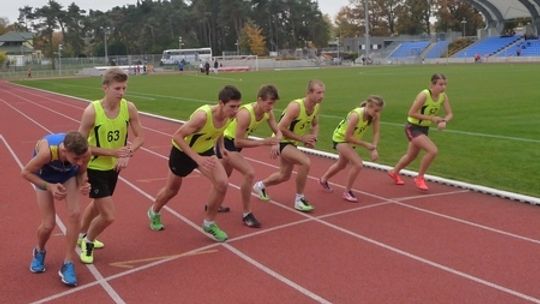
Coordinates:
409	49
487	47
525	48
438	49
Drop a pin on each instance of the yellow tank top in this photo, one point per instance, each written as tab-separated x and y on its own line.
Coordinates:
108	133
205	139
301	124
230	132
430	107
359	129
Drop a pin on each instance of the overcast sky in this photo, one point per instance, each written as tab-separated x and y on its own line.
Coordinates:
10	8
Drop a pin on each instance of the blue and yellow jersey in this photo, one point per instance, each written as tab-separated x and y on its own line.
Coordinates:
56	165
230	131
359	130
301	124
205	139
430	107
108	133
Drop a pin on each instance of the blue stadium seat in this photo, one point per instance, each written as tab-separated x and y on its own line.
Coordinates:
438	50
487	47
409	49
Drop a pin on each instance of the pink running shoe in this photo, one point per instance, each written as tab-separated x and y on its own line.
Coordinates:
349	196
421	183
396	178
325	186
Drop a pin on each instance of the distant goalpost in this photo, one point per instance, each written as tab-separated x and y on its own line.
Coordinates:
233	62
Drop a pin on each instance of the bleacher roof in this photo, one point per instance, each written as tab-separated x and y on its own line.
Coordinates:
497	11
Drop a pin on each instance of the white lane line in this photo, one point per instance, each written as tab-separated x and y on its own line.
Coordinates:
118	299
397	202
470	223
97	275
410	255
277	276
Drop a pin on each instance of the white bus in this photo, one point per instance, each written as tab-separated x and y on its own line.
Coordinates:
175	56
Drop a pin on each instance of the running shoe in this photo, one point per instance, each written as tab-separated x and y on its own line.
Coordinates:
67	274
396	178
155	220
260	191
38	261
87	252
303	205
349	196
97	244
421	183
325	185
250	221
215	233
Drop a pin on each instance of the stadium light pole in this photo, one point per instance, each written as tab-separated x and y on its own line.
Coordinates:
106	32
237	47
180	43
338	39
464	22
366	29
60	47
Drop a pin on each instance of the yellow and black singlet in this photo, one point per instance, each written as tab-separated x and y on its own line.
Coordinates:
230	131
359	130
108	133
301	124
204	139
430	107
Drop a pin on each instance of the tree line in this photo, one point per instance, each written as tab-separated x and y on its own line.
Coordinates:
410	17
249	26
149	27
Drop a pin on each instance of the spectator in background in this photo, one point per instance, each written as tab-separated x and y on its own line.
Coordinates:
207	67
216	66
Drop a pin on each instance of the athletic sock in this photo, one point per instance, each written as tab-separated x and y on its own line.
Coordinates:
207	223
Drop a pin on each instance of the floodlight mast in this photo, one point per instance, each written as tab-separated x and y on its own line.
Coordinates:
366	29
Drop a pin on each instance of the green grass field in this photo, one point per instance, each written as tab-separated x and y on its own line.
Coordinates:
494	139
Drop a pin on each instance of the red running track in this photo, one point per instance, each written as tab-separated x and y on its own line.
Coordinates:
396	246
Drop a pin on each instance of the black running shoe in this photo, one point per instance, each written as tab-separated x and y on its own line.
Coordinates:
250	221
